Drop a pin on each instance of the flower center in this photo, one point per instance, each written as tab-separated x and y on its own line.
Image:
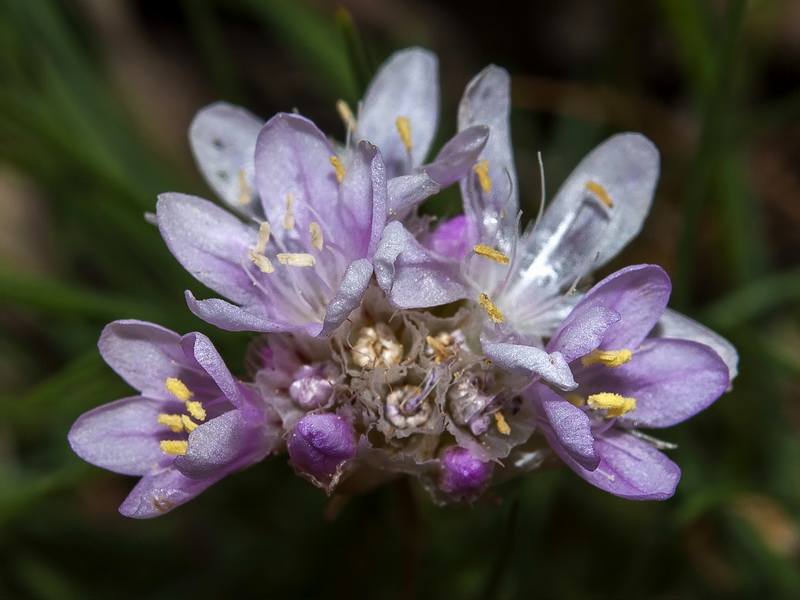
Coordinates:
183	422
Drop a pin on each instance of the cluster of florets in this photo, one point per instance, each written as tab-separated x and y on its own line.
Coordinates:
460	353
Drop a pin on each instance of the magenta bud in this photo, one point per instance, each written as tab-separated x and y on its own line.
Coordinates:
463	475
320	443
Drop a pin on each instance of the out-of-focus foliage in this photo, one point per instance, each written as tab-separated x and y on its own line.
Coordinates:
95	99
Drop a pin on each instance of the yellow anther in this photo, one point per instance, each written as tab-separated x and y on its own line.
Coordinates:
610	358
482	171
296	259
575	399
196	409
288	217
316	235
346	115
174	422
175	447
404	129
178	389
338	167
615	404
488	252
495	316
244	189
188	424
262	262
502	425
601	193
264	231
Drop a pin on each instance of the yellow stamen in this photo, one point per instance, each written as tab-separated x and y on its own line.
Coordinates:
176	447
244	189
172	421
346	115
482	171
404	129
288	217
338	167
601	193
196	410
264	231
495	316
610	358
615	404
178	389
316	235
296	259
575	399
188	424
262	262
491	253
502	425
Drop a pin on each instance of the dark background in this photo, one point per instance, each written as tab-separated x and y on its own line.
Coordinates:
95	100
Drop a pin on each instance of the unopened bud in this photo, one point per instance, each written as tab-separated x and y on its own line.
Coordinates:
463	475
320	444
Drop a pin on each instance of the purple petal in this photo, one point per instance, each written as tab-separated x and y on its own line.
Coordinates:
451	238
159	492
230	317
639	294
532	361
458	155
203	351
143	354
407	192
675	325
671	380
582	331
362	203
223	141
407	85
122	436
209	242
413	276
569	429
630	468
347	298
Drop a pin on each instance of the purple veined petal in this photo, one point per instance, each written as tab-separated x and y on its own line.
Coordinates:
639	294
230	317
406	86
200	348
532	361
348	296
630	468
412	276
673	324
209	242
568	428
487	102
671	381
452	238
582	331
160	491
220	446
458	155
578	226
223	140
358	221
122	436
407	192
294	175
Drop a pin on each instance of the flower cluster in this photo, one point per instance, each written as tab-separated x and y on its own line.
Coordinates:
461	353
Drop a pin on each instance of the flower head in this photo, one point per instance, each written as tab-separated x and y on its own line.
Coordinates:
191	424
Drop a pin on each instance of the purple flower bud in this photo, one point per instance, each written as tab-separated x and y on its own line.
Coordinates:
463	475
311	392
320	443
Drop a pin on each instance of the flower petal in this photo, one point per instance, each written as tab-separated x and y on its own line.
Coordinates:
568	428
359	216
582	331
406	86
348	296
671	380
209	242
673	324
408	191
223	140
630	468
413	276
577	230
121	436
458	155
161	491
532	361
230	317
451	238
639	294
